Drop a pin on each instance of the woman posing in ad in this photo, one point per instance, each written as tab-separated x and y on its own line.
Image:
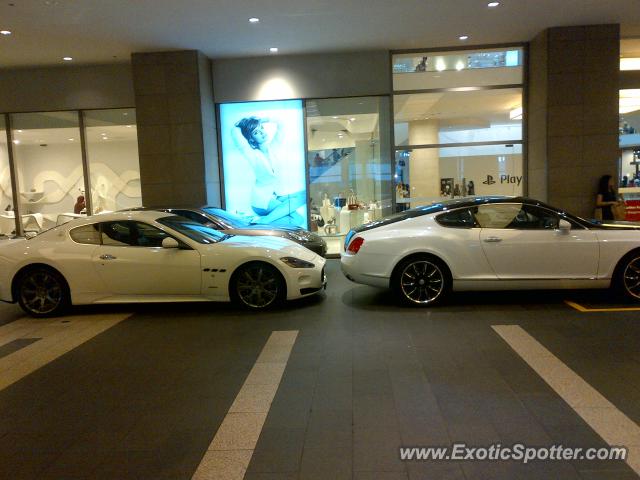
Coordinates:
261	148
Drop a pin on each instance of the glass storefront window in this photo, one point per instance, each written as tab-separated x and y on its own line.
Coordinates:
7	222
48	161
350	178
112	154
461	68
458	117
425	175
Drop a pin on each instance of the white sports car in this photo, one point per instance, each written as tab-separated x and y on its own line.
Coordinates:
491	243
152	257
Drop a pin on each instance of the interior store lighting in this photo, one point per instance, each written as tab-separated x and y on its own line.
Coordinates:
629	100
516	114
67	59
440	65
273	49
464	37
493	4
459	65
254	20
629	64
5	32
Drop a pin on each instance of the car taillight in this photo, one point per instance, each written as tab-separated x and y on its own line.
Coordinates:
356	243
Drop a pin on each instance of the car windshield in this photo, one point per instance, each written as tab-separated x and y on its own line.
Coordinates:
233	221
195	231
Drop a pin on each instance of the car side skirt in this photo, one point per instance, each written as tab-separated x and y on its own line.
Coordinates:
530	284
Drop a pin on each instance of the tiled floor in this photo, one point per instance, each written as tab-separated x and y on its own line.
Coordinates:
145	398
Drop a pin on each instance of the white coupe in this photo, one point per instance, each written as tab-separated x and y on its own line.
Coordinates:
491	243
152	257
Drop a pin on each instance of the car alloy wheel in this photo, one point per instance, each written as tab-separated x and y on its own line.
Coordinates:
42	292
258	285
422	282
631	278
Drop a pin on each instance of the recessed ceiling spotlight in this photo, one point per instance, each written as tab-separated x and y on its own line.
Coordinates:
352	119
493	4
334	117
105	138
16	142
273	49
464	37
71	139
254	20
129	126
67	59
19	131
5	32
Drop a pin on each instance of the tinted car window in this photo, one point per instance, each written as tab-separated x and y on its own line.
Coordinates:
462	218
195	231
132	234
516	216
194	216
86	234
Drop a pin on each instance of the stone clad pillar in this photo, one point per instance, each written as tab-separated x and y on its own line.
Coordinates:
424	165
573	114
176	129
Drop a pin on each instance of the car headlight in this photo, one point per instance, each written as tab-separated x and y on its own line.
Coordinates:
297	237
294	262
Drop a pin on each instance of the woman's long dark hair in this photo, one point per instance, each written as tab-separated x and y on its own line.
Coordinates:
247	126
603	185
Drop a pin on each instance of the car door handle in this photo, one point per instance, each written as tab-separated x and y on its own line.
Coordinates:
106	256
493	239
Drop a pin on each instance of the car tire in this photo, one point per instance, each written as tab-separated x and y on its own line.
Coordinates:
42	292
421	281
257	286
627	278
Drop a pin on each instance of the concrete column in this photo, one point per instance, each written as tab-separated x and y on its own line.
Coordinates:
424	178
573	114
176	129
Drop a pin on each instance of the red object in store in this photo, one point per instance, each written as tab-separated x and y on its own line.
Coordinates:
633	210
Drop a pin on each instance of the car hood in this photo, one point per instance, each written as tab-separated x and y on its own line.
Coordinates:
279	244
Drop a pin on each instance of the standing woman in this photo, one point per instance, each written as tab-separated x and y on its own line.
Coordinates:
606	197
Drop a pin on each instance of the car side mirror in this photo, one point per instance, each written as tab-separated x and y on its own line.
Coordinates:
564	226
170	242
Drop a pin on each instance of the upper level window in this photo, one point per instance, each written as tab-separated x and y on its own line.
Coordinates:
458	68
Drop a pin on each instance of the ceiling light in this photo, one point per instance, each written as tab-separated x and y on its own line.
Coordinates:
105	138
493	4
67	59
459	65
71	139
129	126
5	32
334	117
16	142
352	119
254	20
440	65
464	37
273	49
19	131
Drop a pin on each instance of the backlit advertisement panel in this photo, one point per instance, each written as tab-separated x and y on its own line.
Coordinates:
263	158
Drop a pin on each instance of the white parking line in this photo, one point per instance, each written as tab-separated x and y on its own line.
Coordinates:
230	452
601	415
57	337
